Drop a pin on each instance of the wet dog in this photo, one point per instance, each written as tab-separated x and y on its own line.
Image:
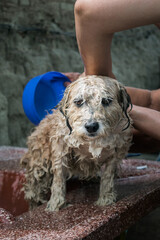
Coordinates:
88	134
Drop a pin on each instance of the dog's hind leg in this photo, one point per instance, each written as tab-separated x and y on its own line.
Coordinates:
58	188
107	195
37	186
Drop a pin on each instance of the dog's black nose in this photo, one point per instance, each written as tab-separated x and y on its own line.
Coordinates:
92	127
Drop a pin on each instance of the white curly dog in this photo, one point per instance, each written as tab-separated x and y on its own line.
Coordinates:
89	133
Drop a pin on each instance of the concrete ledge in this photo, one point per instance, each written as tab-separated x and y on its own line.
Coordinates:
138	194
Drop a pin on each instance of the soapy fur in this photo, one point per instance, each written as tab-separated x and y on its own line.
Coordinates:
61	147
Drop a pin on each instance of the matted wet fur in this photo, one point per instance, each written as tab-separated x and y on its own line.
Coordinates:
89	133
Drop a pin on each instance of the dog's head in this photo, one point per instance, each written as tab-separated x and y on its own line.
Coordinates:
95	106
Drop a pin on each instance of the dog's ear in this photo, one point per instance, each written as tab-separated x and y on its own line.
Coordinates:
63	105
124	101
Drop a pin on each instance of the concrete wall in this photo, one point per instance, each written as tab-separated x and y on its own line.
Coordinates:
38	36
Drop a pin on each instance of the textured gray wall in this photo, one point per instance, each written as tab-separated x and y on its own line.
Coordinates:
136	57
38	36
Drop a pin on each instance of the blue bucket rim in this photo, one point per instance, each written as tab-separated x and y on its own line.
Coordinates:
28	101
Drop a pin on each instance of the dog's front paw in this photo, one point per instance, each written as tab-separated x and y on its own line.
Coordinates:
109	199
55	204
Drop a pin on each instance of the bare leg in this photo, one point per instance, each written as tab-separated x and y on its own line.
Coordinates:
97	20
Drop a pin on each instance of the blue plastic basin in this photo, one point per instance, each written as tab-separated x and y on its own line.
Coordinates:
42	93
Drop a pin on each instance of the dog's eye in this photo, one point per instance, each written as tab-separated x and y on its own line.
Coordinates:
106	101
79	102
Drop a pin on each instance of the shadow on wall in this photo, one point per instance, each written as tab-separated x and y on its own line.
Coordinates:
39	36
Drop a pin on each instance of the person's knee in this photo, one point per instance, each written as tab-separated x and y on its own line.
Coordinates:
79	7
84	9
91	12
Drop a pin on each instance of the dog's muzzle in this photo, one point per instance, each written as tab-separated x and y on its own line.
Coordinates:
92	127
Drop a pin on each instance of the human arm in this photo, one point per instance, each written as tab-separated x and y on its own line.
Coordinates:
147	121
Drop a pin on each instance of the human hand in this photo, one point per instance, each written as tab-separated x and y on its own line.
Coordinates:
72	77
